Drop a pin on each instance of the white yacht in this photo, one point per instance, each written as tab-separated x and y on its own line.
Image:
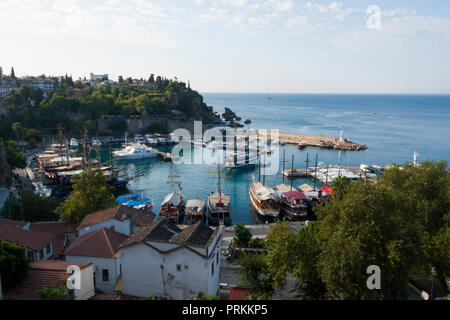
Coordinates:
74	143
134	151
236	159
95	142
139	139
150	139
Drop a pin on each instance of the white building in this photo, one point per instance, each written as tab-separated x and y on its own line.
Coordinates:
98	77
164	260
39	245
100	247
122	219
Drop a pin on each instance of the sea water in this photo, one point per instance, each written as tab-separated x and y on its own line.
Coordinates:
392	126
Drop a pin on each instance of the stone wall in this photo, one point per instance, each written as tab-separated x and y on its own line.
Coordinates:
138	125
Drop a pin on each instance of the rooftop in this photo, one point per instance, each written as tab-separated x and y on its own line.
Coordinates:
102	243
54	227
31	239
139	217
197	235
52	273
12	223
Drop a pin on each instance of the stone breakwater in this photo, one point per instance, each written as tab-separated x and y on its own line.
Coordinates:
320	141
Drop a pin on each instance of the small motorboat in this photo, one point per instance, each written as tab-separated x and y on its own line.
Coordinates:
301	146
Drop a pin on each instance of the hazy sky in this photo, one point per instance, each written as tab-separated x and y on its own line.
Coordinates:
235	45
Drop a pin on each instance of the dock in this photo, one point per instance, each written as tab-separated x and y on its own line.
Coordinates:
165	155
295	173
319	141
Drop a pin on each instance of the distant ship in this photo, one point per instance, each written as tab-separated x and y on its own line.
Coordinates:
172	207
219	212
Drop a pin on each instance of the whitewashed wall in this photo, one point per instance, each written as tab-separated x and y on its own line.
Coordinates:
123	227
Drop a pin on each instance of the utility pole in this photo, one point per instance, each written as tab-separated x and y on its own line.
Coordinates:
315	173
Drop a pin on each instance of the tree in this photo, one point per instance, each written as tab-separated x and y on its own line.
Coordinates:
17	128
14	158
13	263
340	187
91	194
13	74
371	225
32	207
60	293
242	235
120	79
253	273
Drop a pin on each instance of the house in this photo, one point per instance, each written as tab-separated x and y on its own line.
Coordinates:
39	245
122	219
24	225
171	261
98	77
65	231
53	274
101	247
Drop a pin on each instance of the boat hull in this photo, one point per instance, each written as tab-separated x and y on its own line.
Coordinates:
264	214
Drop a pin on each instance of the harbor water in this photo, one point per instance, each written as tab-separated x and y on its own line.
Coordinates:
392	126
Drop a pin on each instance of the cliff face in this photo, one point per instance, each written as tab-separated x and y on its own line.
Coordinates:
4	168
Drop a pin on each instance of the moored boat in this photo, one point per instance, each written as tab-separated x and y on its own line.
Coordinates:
264	200
294	205
134	151
219	212
173	205
195	211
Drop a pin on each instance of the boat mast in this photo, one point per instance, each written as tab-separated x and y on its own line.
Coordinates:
264	170
292	171
306	168
284	161
315	172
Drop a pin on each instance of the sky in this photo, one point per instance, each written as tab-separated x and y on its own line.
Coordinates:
270	46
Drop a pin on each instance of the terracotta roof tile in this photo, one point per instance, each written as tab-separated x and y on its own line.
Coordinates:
12	223
30	239
119	212
197	235
50	273
54	227
102	243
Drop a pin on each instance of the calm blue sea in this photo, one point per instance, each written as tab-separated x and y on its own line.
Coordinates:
392	126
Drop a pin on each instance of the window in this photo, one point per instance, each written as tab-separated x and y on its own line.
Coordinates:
48	249
178	267
217	257
105	274
212	268
41	254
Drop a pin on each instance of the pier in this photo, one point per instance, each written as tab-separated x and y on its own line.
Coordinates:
320	141
165	155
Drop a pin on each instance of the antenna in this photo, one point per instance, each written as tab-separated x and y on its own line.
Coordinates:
315	172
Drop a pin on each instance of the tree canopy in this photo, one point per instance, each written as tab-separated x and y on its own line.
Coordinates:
91	194
400	224
13	263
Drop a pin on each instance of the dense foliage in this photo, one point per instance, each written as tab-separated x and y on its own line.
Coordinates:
49	293
91	194
13	263
401	224
242	236
74	105
32	207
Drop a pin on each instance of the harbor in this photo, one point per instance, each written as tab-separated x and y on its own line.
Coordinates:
140	164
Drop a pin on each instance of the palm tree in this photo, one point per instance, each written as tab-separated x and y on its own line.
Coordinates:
17	128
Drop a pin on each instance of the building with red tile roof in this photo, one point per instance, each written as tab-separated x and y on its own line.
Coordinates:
53	273
123	219
39	245
14	223
101	247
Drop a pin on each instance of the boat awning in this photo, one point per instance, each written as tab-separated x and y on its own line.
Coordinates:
295	195
306	187
264	192
122	200
137	202
135	197
326	189
173	198
284	188
192	203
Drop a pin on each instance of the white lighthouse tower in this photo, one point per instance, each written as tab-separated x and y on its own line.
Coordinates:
415	159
